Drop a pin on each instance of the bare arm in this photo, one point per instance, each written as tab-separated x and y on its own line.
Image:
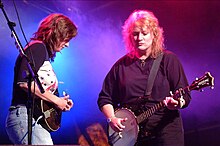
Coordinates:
63	103
108	111
114	122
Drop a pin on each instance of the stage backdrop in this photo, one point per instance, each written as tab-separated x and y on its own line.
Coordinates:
191	30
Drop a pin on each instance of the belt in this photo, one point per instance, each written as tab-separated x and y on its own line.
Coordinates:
12	107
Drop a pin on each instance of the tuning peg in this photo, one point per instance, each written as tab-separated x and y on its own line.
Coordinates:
171	93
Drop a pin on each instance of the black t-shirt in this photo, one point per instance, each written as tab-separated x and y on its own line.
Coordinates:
38	55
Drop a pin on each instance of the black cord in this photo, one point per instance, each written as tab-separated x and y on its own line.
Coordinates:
32	59
20	25
19	21
22	30
31	102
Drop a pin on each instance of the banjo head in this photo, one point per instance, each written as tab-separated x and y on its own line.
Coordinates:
129	135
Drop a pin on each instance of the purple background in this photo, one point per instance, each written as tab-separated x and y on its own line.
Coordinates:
192	31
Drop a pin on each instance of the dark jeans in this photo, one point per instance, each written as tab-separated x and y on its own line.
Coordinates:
165	139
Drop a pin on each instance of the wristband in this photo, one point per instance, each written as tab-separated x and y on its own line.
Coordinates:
109	119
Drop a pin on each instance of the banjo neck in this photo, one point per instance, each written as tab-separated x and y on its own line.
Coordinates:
145	115
129	135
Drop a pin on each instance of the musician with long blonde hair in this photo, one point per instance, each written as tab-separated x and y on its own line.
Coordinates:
126	83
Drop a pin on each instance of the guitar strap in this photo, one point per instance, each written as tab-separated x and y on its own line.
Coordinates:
152	75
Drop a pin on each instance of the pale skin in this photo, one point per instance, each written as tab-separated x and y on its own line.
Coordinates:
62	46
142	40
63	103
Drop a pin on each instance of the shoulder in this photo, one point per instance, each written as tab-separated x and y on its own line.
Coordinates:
170	59
37	49
36	44
120	63
124	60
169	55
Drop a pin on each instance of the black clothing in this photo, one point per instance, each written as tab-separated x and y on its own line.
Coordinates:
17	119
127	81
38	54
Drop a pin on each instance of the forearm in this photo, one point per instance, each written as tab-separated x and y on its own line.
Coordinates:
45	96
108	111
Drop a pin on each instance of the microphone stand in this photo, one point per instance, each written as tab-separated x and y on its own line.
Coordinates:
32	74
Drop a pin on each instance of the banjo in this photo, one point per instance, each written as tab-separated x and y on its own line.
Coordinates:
129	135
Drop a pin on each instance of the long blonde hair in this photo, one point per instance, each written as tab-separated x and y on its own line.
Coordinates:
143	18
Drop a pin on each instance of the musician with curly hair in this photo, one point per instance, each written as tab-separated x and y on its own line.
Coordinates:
125	88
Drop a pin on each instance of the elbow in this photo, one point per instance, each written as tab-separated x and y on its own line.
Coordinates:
23	85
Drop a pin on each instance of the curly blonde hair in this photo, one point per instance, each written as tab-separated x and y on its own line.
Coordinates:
143	18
